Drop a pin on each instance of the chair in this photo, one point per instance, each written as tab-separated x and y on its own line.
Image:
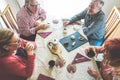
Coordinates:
112	28
112	24
9	19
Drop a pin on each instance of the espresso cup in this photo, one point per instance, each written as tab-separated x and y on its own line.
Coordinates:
91	54
51	63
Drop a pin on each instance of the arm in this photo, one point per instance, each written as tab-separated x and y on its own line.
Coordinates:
14	65
78	16
42	14
99	49
75	18
94	74
96	49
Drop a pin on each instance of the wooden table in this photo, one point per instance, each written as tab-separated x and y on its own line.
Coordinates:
43	55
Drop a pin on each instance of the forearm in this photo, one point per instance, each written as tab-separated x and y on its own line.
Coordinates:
99	49
99	78
37	28
78	16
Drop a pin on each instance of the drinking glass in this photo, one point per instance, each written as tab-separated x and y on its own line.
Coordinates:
59	63
76	27
51	64
71	68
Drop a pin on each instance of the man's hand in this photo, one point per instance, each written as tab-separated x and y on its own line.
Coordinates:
65	22
38	22
43	26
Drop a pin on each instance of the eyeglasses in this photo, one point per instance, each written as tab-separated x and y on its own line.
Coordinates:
34	6
16	42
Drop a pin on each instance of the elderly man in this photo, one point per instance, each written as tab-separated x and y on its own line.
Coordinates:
29	19
94	22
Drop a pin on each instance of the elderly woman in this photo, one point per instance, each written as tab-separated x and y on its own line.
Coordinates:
13	67
110	66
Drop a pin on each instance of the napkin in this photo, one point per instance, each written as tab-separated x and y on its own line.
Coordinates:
43	77
44	34
55	21
77	23
80	58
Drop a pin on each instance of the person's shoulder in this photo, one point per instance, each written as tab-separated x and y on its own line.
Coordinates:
101	12
21	11
7	58
85	10
100	15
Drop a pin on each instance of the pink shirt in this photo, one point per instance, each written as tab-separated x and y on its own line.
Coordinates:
26	20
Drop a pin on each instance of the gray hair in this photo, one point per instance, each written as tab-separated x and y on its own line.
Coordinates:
100	3
26	1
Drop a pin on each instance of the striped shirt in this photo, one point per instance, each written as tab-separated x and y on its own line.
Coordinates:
26	20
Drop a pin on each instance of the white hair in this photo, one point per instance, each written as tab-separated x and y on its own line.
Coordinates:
100	3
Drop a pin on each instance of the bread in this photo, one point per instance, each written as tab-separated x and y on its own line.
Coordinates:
81	38
73	44
72	37
66	43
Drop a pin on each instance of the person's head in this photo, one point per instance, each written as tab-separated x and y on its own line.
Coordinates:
32	5
9	42
95	6
112	52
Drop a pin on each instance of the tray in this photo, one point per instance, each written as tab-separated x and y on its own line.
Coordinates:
70	41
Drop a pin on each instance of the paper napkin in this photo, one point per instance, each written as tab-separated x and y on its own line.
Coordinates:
44	77
55	21
77	23
80	58
44	34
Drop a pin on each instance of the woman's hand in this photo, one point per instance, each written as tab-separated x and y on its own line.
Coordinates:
91	48
29	48
94	73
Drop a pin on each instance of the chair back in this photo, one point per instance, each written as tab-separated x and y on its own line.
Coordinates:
9	19
113	24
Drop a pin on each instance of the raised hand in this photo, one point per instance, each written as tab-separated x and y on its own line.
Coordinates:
29	48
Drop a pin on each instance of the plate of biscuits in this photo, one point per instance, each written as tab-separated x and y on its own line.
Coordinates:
73	41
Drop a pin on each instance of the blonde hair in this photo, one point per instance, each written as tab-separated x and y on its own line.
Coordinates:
5	37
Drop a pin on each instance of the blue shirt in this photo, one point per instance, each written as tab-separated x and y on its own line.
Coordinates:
94	25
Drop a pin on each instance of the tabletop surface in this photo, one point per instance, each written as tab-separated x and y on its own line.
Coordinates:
43	55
